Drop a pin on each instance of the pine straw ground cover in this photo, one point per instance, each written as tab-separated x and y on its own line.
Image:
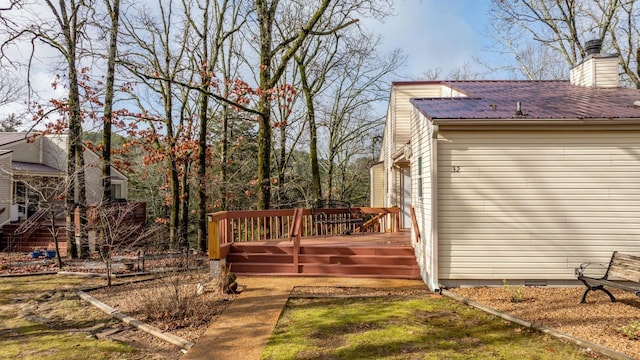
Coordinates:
183	304
600	321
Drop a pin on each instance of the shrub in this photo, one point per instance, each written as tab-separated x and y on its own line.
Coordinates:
631	330
516	292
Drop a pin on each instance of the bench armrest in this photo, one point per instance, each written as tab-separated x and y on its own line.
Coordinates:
584	267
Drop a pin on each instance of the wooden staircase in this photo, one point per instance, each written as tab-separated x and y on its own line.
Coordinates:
342	260
38	238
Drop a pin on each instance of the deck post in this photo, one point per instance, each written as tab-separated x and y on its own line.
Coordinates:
215	263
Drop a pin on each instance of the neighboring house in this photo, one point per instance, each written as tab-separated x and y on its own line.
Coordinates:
514	180
29	161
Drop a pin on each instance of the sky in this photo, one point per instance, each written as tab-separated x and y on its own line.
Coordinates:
437	33
431	33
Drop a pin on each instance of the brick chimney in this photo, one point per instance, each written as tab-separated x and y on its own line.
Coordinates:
596	70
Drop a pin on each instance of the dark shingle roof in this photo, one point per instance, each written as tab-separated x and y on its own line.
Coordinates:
34	167
7	138
539	99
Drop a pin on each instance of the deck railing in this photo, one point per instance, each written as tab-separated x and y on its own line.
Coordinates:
226	227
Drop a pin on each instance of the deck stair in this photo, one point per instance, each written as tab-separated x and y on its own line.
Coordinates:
35	238
357	260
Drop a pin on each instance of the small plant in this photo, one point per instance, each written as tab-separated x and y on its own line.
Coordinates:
515	291
631	330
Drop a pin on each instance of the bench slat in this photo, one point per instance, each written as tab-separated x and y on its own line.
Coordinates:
625	267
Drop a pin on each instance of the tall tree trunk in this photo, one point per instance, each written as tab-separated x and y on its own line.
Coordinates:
316	185
282	162
266	18
225	157
70	30
264	154
82	198
72	248
202	138
184	223
114	14
174	186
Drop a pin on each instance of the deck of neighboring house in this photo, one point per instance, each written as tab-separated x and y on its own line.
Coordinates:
18	238
36	232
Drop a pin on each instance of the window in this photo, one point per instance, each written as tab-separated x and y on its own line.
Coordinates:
116	191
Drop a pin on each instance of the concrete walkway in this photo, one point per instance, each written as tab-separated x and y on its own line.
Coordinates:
243	330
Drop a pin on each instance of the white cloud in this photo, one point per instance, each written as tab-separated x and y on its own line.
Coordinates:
435	33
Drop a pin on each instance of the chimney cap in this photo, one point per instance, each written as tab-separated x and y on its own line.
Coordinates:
593	46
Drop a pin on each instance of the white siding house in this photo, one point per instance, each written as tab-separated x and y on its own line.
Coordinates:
5	186
516	180
24	156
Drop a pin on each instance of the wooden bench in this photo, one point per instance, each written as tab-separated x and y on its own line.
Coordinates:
622	273
322	214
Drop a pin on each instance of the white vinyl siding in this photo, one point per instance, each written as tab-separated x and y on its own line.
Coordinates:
422	193
397	131
54	151
5	187
25	151
93	174
597	71
535	204
377	185
401	95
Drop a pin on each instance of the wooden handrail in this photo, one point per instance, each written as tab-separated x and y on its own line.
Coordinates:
414	220
265	225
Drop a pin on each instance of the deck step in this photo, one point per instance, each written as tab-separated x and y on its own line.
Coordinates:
41	238
406	272
324	260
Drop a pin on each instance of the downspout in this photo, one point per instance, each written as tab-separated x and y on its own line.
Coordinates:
434	283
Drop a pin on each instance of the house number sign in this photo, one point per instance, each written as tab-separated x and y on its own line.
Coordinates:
455	169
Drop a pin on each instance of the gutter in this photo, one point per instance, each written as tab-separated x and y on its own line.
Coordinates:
536	121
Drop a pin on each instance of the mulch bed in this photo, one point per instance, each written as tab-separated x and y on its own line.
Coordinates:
599	320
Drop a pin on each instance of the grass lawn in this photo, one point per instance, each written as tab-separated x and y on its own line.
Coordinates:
388	327
41	317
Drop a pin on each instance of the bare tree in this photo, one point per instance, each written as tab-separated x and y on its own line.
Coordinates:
275	53
61	26
349	117
217	22
564	27
11	90
155	55
117	233
11	123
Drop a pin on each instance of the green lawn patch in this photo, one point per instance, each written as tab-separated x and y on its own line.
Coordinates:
389	327
41	317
